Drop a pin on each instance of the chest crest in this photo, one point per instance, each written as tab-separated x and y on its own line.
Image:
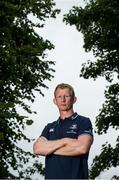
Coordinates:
51	130
73	127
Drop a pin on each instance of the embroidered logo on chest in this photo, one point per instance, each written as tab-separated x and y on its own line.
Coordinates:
73	127
51	130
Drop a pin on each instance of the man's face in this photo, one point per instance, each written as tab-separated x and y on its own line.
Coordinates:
64	100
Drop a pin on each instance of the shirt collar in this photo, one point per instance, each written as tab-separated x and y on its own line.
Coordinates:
68	118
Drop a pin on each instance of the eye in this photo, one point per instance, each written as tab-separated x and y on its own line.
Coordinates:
63	97
67	97
58	97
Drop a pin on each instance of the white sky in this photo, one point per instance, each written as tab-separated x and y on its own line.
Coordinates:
69	55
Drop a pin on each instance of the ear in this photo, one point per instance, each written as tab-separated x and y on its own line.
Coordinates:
54	100
75	99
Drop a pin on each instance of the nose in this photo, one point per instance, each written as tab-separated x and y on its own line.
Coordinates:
63	98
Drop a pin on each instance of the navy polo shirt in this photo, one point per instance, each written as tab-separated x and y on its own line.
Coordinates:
67	167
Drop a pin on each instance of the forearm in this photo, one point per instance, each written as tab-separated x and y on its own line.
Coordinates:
45	147
70	150
75	147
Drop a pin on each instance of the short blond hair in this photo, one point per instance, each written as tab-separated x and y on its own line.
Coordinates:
63	86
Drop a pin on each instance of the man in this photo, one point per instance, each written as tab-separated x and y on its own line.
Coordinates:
65	142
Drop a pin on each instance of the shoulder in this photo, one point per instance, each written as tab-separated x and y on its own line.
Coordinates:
52	124
83	121
48	128
83	118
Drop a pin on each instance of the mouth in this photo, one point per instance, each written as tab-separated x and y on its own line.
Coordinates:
63	104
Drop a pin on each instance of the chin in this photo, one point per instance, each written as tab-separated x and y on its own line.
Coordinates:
64	109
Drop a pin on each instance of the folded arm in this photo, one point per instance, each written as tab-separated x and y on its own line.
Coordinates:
43	147
64	146
76	147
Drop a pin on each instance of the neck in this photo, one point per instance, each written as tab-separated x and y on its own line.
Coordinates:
66	114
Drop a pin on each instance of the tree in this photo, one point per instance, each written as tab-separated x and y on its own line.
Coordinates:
99	23
23	69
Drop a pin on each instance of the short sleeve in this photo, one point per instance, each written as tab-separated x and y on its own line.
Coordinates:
45	132
85	127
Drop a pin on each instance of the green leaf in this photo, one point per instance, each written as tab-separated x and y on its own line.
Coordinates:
29	122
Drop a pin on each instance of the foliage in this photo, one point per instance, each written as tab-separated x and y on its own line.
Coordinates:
99	23
23	69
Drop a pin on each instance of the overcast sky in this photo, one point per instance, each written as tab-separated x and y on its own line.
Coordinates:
69	55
